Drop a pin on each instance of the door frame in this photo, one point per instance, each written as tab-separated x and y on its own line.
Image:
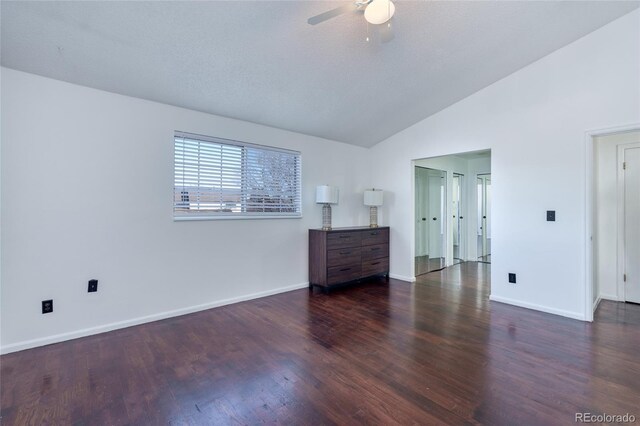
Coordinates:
590	207
621	207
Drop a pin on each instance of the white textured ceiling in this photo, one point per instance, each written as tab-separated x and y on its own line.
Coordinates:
261	62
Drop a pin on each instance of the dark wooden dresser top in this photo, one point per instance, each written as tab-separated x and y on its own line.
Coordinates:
349	228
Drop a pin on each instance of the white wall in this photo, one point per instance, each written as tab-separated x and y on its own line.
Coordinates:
606	220
87	191
534	122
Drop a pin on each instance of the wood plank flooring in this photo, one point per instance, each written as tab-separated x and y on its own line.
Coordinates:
437	352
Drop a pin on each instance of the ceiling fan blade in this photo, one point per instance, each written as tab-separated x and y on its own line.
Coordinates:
314	20
386	33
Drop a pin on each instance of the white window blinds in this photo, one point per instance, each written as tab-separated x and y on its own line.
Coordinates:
219	178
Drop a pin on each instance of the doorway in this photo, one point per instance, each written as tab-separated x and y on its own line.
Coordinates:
613	228
430	224
446	217
483	186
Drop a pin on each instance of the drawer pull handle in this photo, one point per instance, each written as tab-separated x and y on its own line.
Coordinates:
345	236
375	263
375	248
345	269
373	233
345	252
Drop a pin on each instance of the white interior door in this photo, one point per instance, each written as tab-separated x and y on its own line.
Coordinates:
480	211
435	219
456	208
458	205
421	213
632	224
487	213
484	217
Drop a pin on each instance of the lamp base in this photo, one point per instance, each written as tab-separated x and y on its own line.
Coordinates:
326	217
373	217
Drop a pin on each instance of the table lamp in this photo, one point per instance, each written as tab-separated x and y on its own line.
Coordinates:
373	199
326	195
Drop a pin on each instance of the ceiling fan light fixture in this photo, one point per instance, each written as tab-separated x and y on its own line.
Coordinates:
379	11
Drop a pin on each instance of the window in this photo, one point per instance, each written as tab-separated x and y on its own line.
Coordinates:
219	178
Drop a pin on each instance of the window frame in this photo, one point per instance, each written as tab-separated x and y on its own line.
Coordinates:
177	217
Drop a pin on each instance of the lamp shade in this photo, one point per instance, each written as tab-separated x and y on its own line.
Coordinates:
373	197
326	194
379	11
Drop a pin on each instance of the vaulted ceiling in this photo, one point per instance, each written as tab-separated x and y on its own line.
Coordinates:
260	61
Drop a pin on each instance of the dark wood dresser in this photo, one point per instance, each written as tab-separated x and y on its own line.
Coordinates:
342	255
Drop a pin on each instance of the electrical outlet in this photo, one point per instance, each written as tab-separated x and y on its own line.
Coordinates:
93	286
47	306
551	215
512	278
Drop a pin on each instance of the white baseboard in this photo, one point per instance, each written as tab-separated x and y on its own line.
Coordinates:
403	278
27	344
609	297
561	312
596	303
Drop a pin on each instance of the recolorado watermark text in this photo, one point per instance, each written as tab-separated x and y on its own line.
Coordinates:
605	418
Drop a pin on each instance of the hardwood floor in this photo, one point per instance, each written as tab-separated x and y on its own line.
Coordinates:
437	352
425	264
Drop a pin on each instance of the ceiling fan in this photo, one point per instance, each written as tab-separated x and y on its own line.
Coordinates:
376	12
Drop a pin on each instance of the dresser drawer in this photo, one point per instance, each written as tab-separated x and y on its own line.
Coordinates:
375	236
376	266
344	273
343	239
343	256
375	252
